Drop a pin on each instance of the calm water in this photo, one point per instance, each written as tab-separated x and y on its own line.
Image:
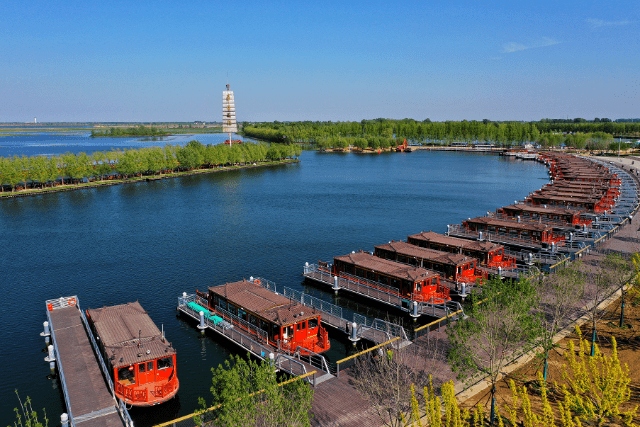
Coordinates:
74	142
152	241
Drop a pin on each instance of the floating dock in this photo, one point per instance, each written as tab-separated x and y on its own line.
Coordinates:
88	397
239	332
359	286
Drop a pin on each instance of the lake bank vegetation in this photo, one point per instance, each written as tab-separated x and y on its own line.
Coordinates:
578	133
40	172
140	130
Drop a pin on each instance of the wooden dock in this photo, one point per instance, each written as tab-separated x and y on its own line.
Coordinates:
88	397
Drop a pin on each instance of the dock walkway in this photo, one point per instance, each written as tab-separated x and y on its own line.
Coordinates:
231	329
88	398
376	330
429	308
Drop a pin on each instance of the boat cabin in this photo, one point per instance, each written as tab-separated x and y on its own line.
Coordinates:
520	233
415	283
286	323
490	254
556	215
141	362
458	268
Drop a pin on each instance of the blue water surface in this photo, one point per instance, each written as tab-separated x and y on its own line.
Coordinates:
152	241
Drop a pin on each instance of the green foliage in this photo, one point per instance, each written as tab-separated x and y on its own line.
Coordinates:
139	130
548	133
132	162
247	393
26	416
496	330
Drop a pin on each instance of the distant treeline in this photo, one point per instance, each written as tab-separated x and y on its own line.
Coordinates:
41	171
500	133
139	130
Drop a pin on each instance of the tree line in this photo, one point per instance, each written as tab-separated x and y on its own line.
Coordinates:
41	171
139	130
501	133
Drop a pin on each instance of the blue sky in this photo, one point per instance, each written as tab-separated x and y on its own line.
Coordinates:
323	60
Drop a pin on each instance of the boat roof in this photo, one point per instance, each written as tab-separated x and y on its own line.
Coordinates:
474	245
390	268
264	303
128	334
414	251
553	210
533	226
566	198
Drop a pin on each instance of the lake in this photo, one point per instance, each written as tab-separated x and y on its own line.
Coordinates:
152	241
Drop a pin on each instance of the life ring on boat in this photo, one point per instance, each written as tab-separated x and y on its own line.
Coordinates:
72	301
257	281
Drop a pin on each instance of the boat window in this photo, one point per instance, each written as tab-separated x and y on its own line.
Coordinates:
149	366
298	326
313	323
165	362
418	287
223	304
141	367
126	374
288	332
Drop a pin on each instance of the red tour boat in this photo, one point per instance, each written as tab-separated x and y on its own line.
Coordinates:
142	363
288	325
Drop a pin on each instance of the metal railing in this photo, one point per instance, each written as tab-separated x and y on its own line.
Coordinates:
332	314
56	353
252	329
357	285
64	302
233	334
391	330
290	365
312	358
122	407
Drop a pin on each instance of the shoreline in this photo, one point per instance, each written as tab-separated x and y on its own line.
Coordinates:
150	178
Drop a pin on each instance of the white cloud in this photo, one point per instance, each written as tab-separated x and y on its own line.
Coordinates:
515	47
595	23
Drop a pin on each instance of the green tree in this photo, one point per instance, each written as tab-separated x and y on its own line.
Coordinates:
247	393
498	329
558	296
27	417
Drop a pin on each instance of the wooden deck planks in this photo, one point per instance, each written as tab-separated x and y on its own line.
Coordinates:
337	403
87	389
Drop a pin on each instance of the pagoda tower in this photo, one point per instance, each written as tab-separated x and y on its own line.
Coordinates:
229	124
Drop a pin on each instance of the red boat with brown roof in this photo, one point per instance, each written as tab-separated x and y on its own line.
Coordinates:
406	281
490	254
141	362
458	268
552	214
289	325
